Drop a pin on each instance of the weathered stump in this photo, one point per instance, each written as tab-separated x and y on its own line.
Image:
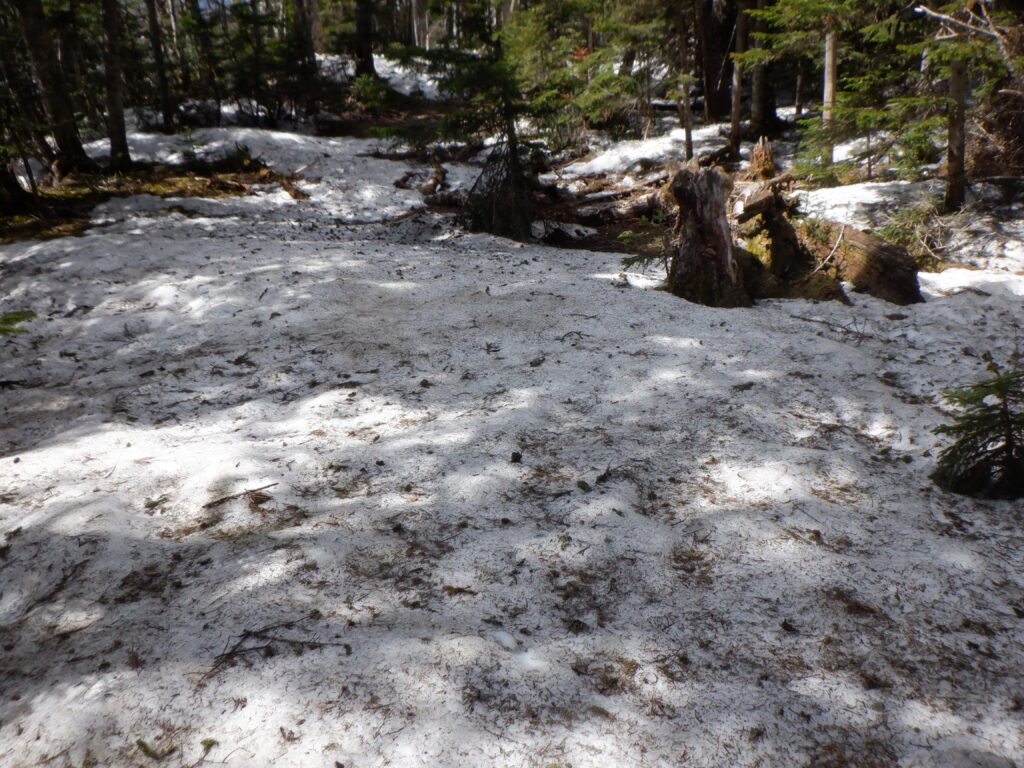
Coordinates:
764	222
702	268
762	162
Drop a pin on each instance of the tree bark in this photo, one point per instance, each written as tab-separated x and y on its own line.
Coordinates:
762	103
420	22
208	73
798	89
684	103
156	40
714	36
184	69
736	111
956	166
14	199
43	54
120	158
831	77
306	20
364	38
702	268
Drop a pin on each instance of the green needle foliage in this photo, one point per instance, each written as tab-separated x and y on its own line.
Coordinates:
10	321
987	459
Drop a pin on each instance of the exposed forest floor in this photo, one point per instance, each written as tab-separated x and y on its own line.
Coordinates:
330	482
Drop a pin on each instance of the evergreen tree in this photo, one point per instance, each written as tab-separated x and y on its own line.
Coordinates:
987	458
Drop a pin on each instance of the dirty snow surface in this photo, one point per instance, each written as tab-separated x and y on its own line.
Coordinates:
322	483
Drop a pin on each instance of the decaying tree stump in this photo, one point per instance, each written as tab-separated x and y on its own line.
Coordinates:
873	265
702	268
764	221
762	161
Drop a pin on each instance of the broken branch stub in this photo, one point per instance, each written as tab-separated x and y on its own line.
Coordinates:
702	267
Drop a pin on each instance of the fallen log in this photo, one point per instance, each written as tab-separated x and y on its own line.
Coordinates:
873	265
595	214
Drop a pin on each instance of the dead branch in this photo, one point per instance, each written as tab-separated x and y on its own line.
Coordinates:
240	649
233	496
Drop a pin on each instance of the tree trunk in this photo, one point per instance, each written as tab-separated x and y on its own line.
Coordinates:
798	89
736	111
684	103
306	18
14	199
702	268
364	38
30	113
628	60
120	159
713	35
156	40
831	77
956	167
43	54
204	43
184	70
761	122
420	22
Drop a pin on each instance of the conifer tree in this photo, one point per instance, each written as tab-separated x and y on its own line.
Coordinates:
987	458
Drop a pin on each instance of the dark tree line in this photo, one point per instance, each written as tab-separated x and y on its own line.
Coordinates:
898	75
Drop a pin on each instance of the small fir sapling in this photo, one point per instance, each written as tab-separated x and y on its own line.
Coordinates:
987	459
10	322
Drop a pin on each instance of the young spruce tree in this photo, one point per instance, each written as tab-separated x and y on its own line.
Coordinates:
987	458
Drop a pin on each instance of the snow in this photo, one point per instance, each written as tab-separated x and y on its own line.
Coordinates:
403	79
260	487
866	205
625	156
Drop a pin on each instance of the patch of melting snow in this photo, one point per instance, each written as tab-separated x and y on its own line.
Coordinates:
324	485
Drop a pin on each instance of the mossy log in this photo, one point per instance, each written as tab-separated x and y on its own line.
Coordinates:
873	265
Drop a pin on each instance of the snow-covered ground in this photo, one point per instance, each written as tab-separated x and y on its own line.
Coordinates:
402	79
318	483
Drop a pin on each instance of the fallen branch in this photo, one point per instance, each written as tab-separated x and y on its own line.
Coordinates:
233	496
266	649
827	259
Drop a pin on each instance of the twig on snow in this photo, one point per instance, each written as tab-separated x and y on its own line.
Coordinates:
233	496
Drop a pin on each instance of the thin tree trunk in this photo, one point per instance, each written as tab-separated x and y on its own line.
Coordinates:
418	11
759	105
736	111
156	40
956	167
120	159
798	91
831	77
684	102
204	42
184	70
713	35
364	38
628	60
